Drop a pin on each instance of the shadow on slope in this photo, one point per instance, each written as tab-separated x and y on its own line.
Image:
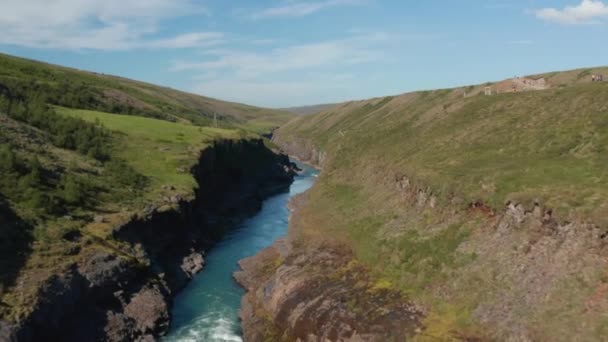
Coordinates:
15	239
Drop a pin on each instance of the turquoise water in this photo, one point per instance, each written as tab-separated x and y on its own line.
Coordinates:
207	310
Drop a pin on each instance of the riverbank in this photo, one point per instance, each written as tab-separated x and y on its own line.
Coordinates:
208	308
317	291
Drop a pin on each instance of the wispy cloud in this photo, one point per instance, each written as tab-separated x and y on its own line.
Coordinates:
197	39
295	8
587	12
349	51
291	74
97	24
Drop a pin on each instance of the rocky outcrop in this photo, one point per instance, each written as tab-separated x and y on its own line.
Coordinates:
149	310
193	264
125	295
301	149
319	295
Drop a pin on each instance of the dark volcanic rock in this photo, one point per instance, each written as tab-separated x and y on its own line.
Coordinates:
103	269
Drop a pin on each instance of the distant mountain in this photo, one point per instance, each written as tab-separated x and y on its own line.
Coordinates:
305	110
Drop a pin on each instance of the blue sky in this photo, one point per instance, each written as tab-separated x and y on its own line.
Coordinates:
279	53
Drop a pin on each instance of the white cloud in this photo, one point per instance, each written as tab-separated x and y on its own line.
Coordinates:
588	11
197	39
96	24
294	8
350	51
291	74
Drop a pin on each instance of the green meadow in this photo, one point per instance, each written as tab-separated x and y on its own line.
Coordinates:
160	150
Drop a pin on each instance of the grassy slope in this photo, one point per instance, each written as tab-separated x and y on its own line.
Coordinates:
161	150
146	97
547	145
306	110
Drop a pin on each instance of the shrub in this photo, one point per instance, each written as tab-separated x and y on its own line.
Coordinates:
125	174
8	159
66	132
73	190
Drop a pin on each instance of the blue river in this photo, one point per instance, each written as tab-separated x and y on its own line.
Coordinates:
208	309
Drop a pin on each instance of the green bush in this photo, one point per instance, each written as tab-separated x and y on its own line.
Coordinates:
125	174
73	189
66	132
8	159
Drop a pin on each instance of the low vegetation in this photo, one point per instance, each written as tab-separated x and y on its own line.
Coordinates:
21	78
472	151
161	151
64	132
545	146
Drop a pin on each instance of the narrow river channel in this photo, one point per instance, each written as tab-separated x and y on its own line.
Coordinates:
207	310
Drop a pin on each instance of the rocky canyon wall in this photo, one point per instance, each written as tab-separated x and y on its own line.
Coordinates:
125	294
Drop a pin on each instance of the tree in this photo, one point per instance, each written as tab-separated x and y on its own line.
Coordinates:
73	190
8	159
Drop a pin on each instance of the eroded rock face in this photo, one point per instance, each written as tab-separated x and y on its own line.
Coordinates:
7	332
103	269
149	310
119	327
87	303
302	149
319	296
193	264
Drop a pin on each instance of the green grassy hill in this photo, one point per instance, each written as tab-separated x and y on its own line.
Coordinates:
306	110
156	149
417	185
85	90
540	145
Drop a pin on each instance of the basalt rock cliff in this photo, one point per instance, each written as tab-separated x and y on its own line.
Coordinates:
110	295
